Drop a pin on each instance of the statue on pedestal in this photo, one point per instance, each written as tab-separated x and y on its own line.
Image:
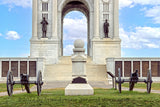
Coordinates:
106	28
44	27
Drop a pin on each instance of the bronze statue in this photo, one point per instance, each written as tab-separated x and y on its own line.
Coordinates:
44	27
106	28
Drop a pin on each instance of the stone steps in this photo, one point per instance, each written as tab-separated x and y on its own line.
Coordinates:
63	71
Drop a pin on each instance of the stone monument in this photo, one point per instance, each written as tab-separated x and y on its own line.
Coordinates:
79	85
96	12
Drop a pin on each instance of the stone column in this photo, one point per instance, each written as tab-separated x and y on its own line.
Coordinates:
116	18
123	72
96	19
19	72
9	64
34	19
79	61
27	67
79	85
141	69
54	19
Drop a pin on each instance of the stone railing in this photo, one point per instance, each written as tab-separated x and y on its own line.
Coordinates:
29	66
129	65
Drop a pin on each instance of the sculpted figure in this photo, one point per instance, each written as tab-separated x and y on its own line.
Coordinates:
106	28
44	27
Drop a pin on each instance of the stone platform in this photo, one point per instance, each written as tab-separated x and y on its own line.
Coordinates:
79	89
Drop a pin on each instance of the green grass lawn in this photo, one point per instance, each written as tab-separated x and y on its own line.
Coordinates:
101	98
3	87
155	86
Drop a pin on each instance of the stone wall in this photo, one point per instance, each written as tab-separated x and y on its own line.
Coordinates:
18	66
129	65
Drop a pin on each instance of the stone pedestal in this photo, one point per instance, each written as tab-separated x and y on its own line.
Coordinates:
79	85
44	48
106	48
79	89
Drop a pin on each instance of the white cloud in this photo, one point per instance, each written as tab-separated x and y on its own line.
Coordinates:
154	13
12	3
146	2
143	37
0	34
75	29
125	3
132	3
68	50
12	35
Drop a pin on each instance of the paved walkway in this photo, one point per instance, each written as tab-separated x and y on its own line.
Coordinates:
57	84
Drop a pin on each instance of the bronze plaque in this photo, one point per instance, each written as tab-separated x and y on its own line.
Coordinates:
118	64
5	68
155	67
32	68
136	66
145	67
23	67
127	68
14	68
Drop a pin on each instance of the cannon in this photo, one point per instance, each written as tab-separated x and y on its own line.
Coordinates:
134	79
24	81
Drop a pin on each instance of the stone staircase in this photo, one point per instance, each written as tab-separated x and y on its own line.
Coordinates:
63	71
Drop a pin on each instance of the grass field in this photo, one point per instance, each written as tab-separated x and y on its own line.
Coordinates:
3	87
101	98
155	86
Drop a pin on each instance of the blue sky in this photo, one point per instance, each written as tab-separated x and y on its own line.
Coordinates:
139	28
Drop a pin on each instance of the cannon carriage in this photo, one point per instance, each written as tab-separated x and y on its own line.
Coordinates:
134	78
24	81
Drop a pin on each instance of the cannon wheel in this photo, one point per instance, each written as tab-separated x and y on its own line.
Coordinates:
119	80
27	88
149	81
39	83
9	83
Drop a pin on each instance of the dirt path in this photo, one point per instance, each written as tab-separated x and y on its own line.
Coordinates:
53	85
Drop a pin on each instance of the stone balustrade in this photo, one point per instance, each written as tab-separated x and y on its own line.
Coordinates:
129	65
29	66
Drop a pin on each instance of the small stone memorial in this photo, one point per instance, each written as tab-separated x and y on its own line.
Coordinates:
79	85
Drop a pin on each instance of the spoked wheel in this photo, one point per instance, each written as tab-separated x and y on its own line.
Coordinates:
149	81
39	83
9	83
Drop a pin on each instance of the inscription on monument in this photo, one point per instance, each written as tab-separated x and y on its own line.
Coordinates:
127	68
5	68
32	68
14	68
23	67
136	66
145	67
118	64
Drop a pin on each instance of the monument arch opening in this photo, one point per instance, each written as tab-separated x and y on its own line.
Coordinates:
102	42
70	6
75	27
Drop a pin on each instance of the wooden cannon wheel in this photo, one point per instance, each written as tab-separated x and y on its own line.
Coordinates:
9	83
39	83
149	81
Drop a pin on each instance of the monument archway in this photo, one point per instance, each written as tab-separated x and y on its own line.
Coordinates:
67	6
75	26
97	11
